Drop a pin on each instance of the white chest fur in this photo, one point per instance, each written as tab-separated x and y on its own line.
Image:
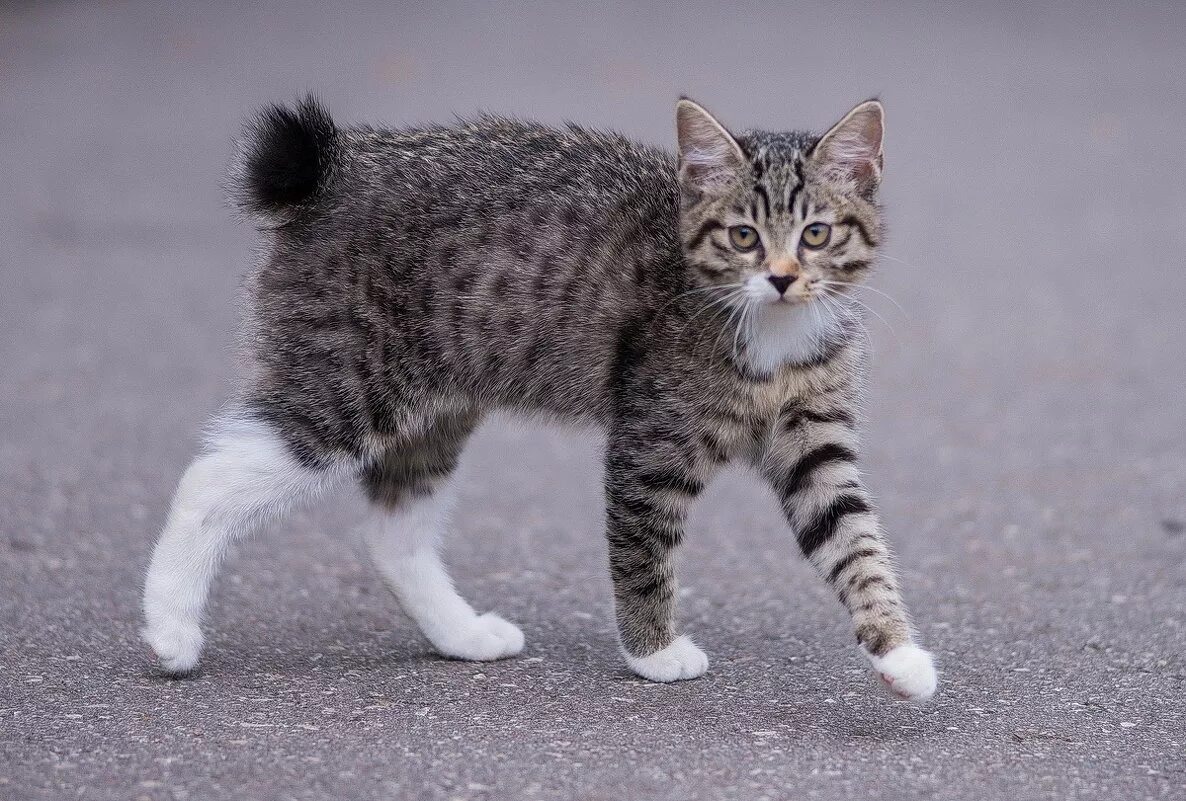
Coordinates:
778	333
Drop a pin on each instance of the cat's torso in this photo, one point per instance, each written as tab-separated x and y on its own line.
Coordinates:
555	291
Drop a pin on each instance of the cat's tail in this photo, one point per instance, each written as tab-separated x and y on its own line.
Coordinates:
285	158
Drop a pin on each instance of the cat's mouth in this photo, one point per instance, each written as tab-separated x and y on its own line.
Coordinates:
790	298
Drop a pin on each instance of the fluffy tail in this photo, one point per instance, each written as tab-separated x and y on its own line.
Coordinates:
285	159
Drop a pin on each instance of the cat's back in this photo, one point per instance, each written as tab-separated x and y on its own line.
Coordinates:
495	162
498	257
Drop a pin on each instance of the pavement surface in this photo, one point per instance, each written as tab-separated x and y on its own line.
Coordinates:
1026	442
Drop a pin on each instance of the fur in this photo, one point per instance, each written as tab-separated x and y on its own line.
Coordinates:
694	305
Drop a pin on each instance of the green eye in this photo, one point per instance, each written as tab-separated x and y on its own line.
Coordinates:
743	238
817	235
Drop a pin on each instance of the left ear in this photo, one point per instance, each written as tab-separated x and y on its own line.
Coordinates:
852	150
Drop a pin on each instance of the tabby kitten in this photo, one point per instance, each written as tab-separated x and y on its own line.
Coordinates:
695	308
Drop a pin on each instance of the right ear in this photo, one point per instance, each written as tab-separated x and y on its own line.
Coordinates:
709	157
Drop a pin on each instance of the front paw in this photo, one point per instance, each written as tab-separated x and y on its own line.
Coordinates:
908	671
680	660
177	644
484	638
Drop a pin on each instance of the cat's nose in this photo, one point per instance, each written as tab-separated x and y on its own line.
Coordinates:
781	282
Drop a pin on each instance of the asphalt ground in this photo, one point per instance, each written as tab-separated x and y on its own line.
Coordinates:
1026	438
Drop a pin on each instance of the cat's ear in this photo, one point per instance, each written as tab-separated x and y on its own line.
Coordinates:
851	152
709	157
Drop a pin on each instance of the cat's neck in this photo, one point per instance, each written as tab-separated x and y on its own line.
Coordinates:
776	334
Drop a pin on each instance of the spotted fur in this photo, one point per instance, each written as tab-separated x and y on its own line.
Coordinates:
415	278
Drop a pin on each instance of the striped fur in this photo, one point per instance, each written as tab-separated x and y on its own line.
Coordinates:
417	278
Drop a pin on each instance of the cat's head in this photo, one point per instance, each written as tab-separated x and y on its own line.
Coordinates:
779	218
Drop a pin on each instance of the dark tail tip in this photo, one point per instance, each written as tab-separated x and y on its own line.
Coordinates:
286	155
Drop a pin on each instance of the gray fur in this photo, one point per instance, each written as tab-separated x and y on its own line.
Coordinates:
430	274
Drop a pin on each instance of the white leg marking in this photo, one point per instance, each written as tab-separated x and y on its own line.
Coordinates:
683	659
908	671
245	476
405	544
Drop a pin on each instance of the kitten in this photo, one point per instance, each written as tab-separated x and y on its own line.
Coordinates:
694	307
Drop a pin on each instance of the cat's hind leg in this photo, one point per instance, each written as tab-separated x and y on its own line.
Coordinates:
411	495
246	475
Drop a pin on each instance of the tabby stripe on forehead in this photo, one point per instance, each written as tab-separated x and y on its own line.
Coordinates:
794	193
761	192
705	229
791	196
861	229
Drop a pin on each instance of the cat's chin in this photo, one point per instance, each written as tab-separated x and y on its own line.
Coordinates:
791	332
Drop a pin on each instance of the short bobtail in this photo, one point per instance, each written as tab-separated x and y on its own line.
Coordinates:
284	160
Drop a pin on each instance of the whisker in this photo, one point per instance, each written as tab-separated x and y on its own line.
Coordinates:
885	295
737	313
712	302
745	313
838	302
867	307
899	261
736	309
694	290
722	305
709	302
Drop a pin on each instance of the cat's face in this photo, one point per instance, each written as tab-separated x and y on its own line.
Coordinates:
771	218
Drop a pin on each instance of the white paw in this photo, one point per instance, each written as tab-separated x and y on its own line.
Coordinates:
482	639
908	671
683	659
177	645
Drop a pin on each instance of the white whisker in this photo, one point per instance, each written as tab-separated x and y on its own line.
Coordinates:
885	295
899	261
863	305
836	301
722	305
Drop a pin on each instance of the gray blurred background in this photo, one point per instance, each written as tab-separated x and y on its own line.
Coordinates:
1026	436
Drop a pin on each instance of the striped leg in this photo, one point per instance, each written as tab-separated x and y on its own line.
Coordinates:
649	484
811	462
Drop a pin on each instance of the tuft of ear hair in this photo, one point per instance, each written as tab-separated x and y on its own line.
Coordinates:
709	156
851	151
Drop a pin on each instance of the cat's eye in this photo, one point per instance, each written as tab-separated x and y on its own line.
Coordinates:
817	235
743	238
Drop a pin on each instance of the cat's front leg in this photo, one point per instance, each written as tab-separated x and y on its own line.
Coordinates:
649	483
810	461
